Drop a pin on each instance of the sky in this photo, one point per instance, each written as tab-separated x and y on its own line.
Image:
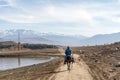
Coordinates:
69	17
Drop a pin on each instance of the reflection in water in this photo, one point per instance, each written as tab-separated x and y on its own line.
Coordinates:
19	61
10	63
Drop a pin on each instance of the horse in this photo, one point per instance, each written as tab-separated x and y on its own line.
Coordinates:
69	60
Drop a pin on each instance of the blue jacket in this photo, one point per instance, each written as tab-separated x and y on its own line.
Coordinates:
68	52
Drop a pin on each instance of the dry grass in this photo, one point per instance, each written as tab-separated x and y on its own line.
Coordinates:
42	52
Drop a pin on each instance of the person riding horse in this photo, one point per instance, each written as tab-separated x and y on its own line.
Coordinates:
68	53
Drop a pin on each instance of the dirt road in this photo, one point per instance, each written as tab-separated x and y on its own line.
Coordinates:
79	71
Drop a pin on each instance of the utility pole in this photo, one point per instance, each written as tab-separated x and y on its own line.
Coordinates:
19	48
19	45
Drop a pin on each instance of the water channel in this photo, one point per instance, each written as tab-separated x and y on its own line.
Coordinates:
15	62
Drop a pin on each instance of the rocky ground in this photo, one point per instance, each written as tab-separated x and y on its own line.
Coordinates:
104	60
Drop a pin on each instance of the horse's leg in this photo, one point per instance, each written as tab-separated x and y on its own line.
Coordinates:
69	65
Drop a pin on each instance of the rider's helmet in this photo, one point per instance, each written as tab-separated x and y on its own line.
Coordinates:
68	47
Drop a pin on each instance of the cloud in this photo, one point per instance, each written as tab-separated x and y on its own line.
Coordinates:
3	3
93	15
50	13
68	14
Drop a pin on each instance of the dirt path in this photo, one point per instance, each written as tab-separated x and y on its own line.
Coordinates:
79	71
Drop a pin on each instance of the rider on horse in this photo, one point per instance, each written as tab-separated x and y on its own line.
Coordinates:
68	53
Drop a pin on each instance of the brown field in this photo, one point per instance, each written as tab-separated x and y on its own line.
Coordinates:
102	60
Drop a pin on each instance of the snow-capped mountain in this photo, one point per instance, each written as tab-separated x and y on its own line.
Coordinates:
26	36
29	36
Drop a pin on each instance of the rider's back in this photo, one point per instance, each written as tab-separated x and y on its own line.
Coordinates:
68	52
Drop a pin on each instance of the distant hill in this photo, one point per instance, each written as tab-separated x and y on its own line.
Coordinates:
64	39
1	39
101	39
7	43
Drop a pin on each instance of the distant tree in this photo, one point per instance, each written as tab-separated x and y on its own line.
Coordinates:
38	46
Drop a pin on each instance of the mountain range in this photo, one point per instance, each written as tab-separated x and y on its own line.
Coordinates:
101	39
30	36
